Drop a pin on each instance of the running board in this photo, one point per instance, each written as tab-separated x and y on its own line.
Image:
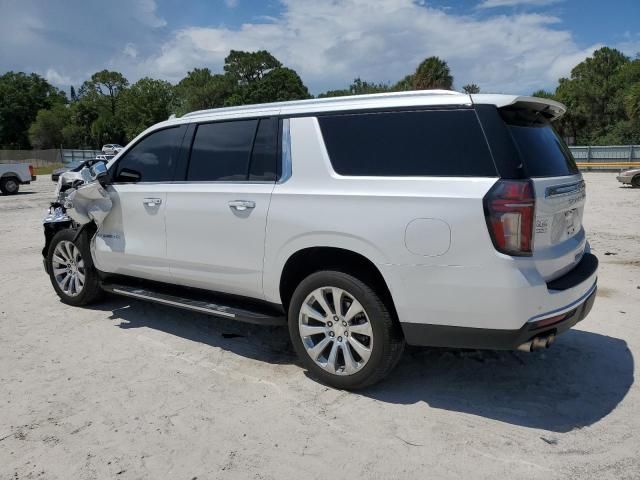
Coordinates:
201	305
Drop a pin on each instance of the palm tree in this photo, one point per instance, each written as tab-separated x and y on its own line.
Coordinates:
432	73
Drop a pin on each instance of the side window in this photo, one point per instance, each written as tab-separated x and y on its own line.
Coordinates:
152	159
265	151
221	151
418	143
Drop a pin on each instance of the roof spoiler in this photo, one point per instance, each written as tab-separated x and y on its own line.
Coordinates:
551	109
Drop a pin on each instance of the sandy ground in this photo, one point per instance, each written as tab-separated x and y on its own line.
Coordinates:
132	390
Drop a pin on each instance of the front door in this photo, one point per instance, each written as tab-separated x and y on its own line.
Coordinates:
132	239
216	218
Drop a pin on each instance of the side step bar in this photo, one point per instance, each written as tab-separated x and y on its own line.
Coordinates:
197	305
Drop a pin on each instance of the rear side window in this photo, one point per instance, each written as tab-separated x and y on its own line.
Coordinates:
152	159
418	143
234	151
542	151
221	151
265	152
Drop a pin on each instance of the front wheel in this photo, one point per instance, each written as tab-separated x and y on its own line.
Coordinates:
635	181
343	331
71	270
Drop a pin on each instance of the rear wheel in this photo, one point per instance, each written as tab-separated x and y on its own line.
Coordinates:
635	181
343	331
9	186
71	270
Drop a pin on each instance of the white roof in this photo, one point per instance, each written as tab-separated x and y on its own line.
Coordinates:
378	100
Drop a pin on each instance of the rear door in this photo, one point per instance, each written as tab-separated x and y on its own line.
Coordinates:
132	239
216	217
559	240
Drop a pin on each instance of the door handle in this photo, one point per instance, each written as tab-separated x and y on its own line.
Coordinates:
152	202
242	205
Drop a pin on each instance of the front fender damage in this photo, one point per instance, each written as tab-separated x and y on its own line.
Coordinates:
80	200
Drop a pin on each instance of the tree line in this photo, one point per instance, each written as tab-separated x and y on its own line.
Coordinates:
602	95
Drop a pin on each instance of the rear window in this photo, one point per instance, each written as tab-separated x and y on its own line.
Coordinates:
417	143
542	151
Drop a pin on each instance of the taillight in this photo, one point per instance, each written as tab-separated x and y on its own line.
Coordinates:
31	170
509	209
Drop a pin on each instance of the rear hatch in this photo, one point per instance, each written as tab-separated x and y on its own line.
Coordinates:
558	239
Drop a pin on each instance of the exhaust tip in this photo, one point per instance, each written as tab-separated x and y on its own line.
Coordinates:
537	343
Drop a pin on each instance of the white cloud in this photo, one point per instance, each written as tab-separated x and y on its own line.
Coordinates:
56	78
130	50
516	3
231	3
330	43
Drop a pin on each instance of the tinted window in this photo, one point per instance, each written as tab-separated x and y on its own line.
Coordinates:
152	159
221	151
542	151
436	142
265	150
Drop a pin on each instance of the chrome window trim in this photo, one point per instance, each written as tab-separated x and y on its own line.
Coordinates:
286	152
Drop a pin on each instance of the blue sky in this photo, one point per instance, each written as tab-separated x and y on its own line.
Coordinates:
503	45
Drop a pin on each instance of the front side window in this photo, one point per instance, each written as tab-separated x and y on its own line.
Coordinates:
411	143
152	159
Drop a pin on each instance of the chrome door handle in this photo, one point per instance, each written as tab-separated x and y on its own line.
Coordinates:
152	202
242	205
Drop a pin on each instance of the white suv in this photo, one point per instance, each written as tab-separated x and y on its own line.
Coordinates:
433	218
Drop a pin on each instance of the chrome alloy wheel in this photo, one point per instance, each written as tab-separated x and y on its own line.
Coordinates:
335	330
68	268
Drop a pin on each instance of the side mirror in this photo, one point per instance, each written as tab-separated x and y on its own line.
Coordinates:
99	171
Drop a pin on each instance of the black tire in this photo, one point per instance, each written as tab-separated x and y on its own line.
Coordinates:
9	185
90	291
635	181
387	342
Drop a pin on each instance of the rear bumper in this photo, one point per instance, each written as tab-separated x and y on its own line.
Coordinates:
422	334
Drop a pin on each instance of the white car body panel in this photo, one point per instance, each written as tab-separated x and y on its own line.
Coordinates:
132	238
210	244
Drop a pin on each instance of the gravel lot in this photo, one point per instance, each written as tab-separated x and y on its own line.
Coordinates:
128	389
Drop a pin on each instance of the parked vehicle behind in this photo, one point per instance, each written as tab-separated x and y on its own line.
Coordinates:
432	218
12	175
630	177
111	148
75	166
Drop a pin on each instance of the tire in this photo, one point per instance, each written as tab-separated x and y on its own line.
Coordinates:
9	185
75	258
635	181
367	346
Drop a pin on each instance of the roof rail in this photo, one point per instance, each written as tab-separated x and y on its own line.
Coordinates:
323	101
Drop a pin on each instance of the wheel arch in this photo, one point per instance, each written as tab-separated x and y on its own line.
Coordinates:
308	260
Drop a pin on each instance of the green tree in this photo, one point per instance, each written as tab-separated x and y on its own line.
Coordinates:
432	73
47	130
358	87
22	96
105	85
471	88
201	89
145	103
248	67
278	85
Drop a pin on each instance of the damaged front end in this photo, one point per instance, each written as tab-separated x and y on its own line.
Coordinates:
82	203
